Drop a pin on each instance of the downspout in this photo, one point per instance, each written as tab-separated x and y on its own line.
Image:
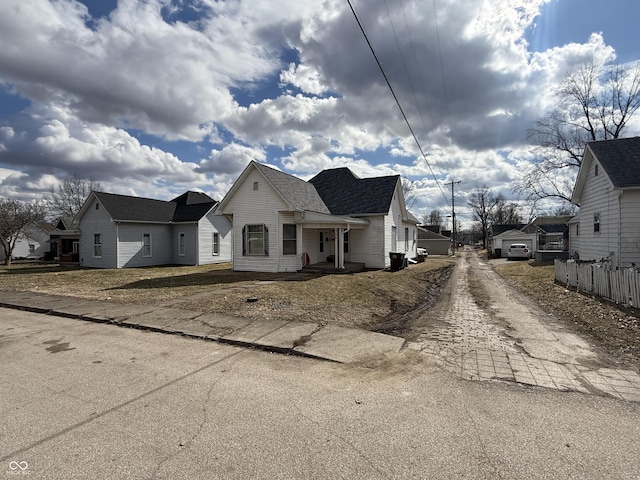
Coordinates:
117	244
620	229
342	234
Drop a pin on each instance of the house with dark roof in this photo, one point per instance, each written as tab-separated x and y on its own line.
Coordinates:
118	231
607	190
282	223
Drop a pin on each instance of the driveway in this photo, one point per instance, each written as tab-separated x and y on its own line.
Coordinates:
482	329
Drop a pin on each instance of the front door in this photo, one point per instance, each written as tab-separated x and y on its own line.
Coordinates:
326	245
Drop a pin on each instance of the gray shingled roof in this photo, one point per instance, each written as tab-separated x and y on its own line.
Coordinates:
620	158
299	194
190	206
346	194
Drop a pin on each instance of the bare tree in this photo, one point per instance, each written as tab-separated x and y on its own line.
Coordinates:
505	212
67	200
594	103
409	191
482	202
15	219
435	217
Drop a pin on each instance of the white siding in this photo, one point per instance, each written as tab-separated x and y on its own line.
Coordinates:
207	226
97	221
252	207
368	246
190	231
287	263
310	244
630	228
130	251
598	197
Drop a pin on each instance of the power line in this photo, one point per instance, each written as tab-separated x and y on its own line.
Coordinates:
386	79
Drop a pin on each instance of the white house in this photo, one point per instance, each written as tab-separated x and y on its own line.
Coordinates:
607	190
123	231
33	242
282	223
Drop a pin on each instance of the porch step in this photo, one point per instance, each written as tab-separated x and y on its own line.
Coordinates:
326	267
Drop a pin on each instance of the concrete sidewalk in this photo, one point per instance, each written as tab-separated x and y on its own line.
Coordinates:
327	342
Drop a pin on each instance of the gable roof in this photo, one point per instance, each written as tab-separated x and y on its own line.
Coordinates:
428	234
620	158
499	228
346	194
190	206
300	195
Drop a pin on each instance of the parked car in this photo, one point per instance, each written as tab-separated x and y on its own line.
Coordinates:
518	250
422	252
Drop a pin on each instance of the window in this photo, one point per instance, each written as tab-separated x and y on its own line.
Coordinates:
97	245
406	239
32	249
577	230
596	222
146	245
181	244
97	206
215	244
596	170
346	242
321	242
75	247
255	185
289	239
255	240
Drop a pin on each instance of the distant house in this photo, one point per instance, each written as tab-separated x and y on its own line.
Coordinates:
32	243
64	240
283	223
607	190
432	241
542	233
120	231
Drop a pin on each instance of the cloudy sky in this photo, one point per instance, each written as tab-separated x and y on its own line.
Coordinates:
156	97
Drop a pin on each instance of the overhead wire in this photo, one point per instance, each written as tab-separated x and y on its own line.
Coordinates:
395	97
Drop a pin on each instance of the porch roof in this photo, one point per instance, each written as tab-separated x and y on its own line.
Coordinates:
309	219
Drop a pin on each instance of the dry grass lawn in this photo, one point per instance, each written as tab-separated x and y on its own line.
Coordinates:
362	300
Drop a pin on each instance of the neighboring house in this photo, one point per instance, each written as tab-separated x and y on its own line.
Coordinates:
282	223
607	190
501	242
64	239
433	242
32	243
122	231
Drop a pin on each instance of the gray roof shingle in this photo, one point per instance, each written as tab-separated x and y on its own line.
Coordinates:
299	194
346	194
191	206
620	158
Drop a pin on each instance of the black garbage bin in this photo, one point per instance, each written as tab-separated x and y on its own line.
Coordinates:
397	260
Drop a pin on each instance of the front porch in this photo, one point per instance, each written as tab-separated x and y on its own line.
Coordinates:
330	268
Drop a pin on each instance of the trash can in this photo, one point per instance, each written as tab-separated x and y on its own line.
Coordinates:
397	260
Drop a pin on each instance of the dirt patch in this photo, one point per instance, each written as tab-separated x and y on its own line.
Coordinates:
614	330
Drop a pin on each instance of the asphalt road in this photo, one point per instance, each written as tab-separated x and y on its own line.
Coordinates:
81	400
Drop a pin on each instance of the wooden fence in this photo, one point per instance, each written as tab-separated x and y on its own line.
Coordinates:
620	286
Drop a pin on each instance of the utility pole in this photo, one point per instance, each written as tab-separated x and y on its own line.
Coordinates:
453	217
